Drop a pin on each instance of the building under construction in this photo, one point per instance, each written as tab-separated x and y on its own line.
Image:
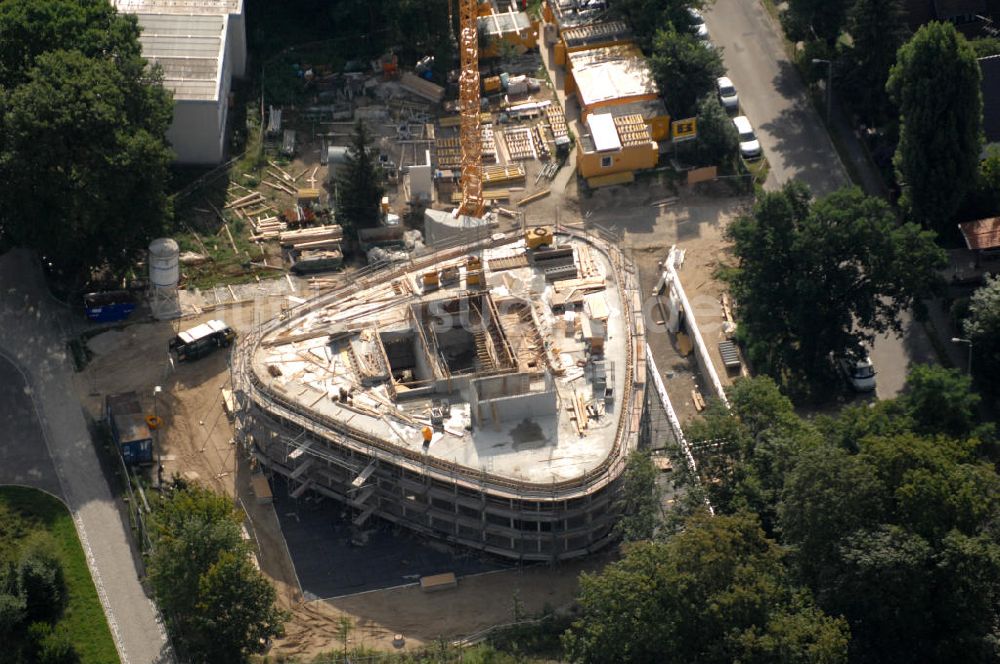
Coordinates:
485	395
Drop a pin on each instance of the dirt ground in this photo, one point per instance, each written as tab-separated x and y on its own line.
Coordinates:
197	444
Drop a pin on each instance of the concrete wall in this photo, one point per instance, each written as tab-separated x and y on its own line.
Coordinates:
197	133
421	184
502	386
518	407
237	44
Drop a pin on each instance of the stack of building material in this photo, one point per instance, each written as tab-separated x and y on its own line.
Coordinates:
632	130
313	238
519	143
541	147
268	228
422	88
557	121
488	146
448	153
499	174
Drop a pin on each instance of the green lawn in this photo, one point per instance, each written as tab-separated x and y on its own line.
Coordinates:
27	513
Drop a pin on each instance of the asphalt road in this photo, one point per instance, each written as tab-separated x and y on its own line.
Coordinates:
31	334
797	146
24	458
773	97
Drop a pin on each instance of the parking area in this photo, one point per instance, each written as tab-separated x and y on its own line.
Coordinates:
328	565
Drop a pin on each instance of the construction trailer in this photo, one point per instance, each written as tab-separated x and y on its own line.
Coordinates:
129	428
615	146
515	29
586	37
609	77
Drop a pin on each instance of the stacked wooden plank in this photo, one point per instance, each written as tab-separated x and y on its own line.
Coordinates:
449	152
499	174
268	228
327	235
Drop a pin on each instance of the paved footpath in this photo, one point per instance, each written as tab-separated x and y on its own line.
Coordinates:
31	336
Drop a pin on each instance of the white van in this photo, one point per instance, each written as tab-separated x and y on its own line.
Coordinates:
860	374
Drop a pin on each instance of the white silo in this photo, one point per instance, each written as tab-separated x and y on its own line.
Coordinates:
164	273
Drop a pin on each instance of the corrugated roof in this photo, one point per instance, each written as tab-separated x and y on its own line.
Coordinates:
190	48
180	6
604	132
499	23
596	33
982	233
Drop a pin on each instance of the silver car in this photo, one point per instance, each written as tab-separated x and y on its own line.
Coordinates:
728	96
698	24
749	145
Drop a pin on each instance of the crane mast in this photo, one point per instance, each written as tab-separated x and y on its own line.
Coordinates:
470	138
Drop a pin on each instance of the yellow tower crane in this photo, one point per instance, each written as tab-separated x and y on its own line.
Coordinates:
470	138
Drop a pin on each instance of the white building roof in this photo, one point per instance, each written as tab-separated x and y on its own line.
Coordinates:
218	7
190	48
604	74
604	132
188	39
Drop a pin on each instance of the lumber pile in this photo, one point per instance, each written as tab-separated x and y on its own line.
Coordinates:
499	174
268	228
538	195
331	232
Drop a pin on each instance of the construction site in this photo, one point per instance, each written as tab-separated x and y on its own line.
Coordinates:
459	402
488	398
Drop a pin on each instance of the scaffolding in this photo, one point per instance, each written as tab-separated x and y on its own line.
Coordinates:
477	508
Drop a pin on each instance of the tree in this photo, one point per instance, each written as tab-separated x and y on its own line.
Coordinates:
877	28
89	122
935	85
717	136
895	538
813	279
219	608
640	501
759	438
806	20
685	69
33	27
982	327
236	611
647	16
715	592
941	401
42	584
359	185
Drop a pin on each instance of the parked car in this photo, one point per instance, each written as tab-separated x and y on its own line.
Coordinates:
698	24
860	374
749	145
728	97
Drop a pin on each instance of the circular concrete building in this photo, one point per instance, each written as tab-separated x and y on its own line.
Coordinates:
486	395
